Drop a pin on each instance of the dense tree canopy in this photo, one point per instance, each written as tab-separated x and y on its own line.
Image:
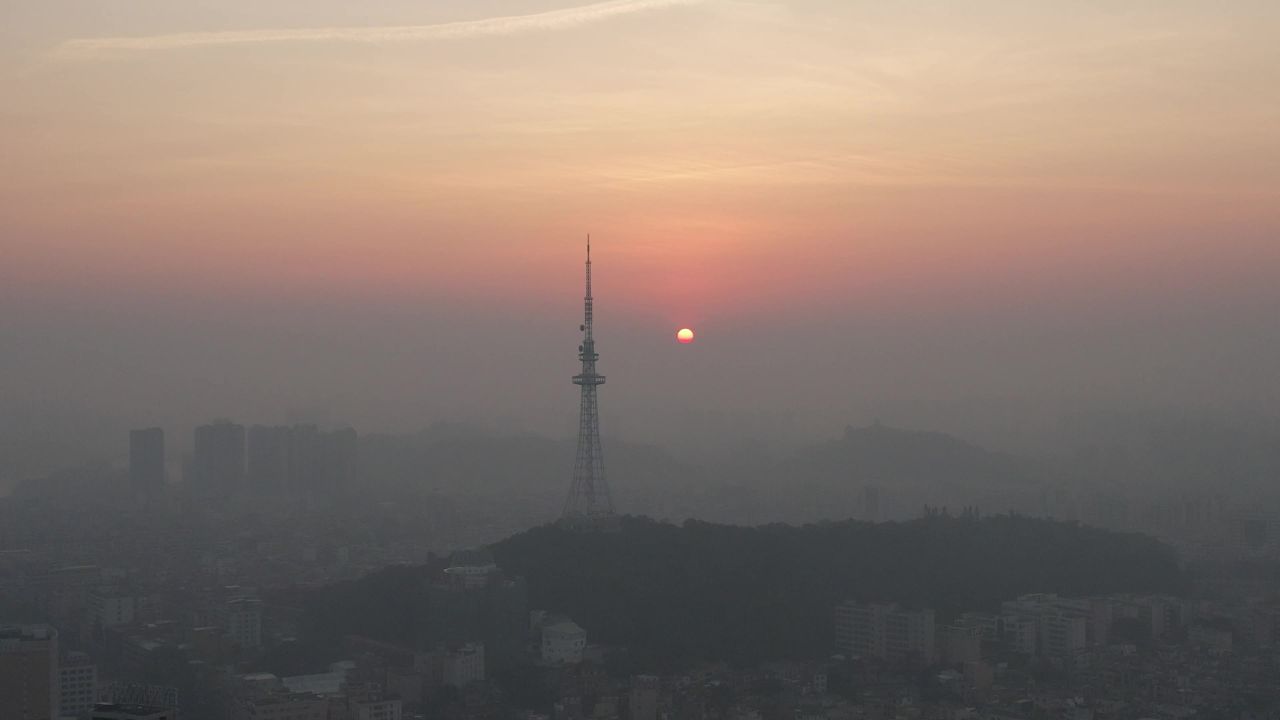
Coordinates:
745	594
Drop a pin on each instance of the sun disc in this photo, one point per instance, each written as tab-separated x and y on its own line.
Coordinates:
684	336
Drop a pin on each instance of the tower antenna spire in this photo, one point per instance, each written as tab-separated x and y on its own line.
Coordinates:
589	504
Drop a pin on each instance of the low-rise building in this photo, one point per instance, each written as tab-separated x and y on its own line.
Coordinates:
563	642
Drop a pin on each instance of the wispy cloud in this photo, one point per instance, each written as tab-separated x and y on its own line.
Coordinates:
488	27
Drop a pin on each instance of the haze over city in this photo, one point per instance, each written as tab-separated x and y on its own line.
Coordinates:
639	360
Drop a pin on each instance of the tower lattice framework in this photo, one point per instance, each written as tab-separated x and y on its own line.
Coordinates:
589	502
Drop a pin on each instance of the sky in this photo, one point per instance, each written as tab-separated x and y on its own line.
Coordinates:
975	217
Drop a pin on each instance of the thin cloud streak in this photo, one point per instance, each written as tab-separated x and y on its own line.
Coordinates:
564	19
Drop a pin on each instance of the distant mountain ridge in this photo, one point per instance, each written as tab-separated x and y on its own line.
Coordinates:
907	468
822	481
462	459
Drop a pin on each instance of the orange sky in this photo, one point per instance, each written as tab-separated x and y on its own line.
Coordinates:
736	160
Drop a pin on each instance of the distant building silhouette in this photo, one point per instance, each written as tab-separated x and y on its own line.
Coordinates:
218	463
341	461
302	460
306	459
146	461
268	458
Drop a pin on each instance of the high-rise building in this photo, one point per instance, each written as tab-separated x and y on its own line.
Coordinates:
306	459
77	685
218	462
884	631
589	503
146	461
29	672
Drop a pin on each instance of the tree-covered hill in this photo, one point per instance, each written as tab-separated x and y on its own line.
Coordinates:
746	594
704	591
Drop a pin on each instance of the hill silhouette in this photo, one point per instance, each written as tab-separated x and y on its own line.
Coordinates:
674	593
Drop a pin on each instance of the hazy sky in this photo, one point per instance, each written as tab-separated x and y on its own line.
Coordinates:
966	216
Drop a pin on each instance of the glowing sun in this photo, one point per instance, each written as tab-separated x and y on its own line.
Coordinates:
684	335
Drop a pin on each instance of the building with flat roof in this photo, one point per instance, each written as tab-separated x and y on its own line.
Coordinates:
241	617
642	701
218	461
267	455
29	672
77	685
885	631
1047	625
563	642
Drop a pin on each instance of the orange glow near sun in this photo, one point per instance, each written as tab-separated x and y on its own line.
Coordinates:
684	335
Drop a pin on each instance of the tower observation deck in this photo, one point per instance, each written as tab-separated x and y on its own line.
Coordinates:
589	503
